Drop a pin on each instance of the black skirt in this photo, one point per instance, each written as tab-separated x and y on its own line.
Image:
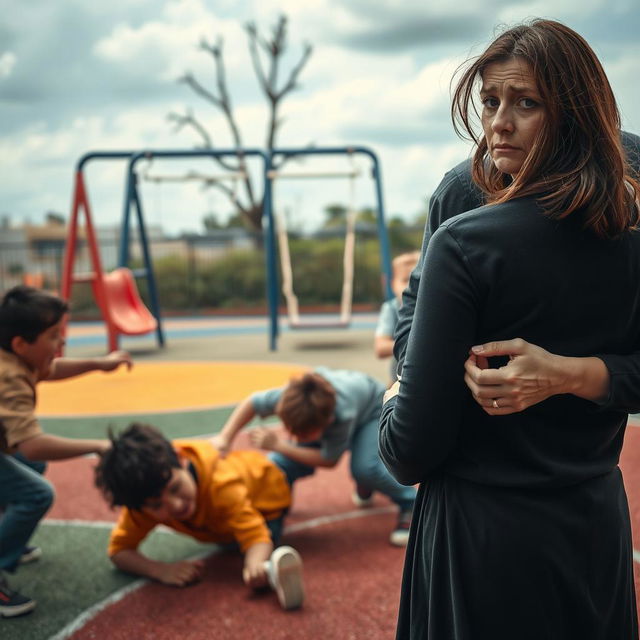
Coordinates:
488	562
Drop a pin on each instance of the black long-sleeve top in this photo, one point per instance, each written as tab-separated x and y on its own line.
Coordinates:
508	271
456	194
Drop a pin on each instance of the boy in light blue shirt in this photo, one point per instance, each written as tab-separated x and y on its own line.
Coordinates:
383	342
327	412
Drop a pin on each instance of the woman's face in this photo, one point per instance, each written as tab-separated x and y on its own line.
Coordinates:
512	113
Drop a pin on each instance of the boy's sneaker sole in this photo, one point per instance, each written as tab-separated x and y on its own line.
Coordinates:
400	535
13	611
286	566
14	604
30	554
362	498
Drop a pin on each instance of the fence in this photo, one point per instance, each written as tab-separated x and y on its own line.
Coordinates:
220	270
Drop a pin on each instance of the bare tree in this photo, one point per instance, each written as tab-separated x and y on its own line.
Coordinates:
266	56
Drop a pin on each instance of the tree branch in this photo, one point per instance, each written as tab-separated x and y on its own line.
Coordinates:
223	102
273	47
285	158
218	183
292	83
188	119
190	81
252	31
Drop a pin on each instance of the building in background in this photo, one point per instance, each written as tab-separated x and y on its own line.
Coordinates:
33	254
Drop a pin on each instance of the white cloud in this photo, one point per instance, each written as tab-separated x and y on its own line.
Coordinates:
623	76
394	100
567	10
380	99
168	46
7	62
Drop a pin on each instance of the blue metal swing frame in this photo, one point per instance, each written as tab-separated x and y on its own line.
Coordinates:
132	198
273	289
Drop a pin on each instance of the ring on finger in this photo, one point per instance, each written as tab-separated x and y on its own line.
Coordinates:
494	403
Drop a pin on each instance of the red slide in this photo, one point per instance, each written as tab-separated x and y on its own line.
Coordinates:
124	305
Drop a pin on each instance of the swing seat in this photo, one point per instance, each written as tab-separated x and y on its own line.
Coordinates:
319	324
123	304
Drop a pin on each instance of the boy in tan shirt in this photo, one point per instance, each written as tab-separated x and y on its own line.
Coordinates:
31	334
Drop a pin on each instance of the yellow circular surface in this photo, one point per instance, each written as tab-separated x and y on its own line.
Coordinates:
161	386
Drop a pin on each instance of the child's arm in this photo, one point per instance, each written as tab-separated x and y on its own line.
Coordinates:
241	416
62	368
383	338
45	446
267	438
177	574
254	572
383	346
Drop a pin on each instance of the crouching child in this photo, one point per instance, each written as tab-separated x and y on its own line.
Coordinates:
186	486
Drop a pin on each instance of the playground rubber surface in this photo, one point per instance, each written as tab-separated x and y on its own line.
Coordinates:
162	386
352	573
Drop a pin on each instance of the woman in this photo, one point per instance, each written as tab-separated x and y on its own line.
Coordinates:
521	526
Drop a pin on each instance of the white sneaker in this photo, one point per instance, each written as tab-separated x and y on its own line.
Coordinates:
362	497
400	535
285	576
30	554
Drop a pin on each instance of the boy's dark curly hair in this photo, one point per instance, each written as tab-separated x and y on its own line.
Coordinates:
137	467
27	312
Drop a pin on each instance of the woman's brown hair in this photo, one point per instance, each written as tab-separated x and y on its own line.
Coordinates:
576	163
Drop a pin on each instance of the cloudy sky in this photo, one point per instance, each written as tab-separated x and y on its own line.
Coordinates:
79	76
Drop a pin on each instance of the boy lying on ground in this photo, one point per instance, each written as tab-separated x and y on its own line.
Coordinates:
186	486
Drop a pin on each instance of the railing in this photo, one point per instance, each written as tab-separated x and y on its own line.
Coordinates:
193	262
23	263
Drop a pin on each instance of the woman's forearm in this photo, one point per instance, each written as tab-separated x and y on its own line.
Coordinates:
531	375
588	378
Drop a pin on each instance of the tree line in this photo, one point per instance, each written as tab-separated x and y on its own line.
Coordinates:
236	280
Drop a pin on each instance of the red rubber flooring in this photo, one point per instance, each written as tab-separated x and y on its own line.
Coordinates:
352	574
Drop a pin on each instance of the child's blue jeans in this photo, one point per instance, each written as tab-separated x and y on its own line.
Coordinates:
367	469
25	497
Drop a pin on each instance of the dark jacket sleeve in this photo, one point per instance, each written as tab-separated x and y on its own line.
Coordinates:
419	427
624	370
624	382
455	194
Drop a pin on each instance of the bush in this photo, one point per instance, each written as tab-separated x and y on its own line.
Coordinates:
237	279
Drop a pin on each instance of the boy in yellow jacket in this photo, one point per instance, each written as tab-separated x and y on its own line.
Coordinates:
188	487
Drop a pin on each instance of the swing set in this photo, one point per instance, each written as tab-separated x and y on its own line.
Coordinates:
295	317
116	292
